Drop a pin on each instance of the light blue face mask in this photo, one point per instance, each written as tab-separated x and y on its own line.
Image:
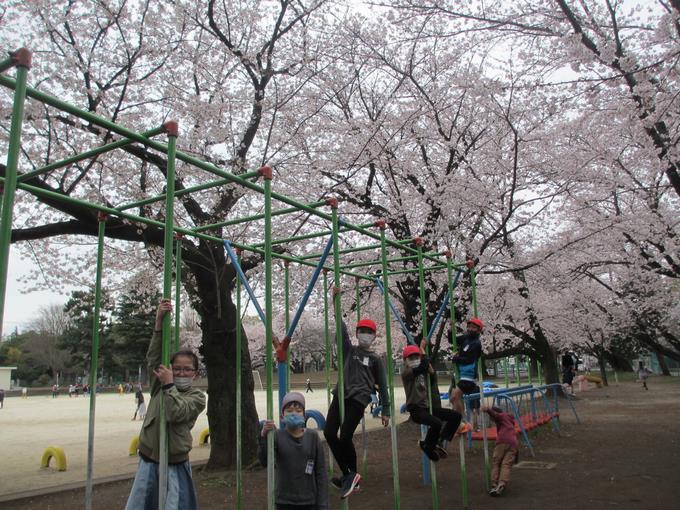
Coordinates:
294	421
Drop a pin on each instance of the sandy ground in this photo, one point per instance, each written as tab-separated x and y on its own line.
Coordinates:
29	426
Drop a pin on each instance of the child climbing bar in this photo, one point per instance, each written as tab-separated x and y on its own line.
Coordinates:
442	423
505	451
469	351
363	370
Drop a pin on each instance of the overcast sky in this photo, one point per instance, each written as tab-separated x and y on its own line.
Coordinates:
19	307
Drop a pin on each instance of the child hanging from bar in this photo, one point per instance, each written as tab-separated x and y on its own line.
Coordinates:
363	370
301	475
183	404
442	423
506	449
469	351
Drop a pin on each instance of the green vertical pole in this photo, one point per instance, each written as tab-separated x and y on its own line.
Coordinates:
94	361
518	377
173	131
529	370
390	366
338	318
22	60
286	366
423	313
329	354
540	373
452	314
364	437
485	440
267	174
178	286
239	394
505	371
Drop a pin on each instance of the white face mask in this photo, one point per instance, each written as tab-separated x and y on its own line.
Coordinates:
183	383
365	339
413	363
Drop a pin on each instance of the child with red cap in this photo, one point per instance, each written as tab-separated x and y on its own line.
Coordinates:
442	423
363	371
301	476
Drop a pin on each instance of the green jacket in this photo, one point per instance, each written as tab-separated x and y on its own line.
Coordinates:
181	411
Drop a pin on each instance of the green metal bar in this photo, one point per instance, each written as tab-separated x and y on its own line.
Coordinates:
505	371
539	375
178	288
185	191
10	183
342	252
378	262
327	358
268	312
254	217
324	233
337	302
94	362
485	441
88	154
6	64
454	343
529	369
167	294
390	370
518	376
423	315
239	397
415	270
286	287
364	437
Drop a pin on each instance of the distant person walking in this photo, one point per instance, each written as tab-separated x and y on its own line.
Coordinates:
55	391
140	407
643	374
309	386
2	398
24	392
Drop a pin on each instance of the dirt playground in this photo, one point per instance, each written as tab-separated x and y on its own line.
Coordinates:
625	454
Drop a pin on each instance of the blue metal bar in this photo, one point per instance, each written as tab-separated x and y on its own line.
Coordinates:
246	285
443	306
310	287
409	337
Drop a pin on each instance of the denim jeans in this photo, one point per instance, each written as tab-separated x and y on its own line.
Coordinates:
144	493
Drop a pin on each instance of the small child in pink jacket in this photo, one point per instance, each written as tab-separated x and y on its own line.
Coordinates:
505	452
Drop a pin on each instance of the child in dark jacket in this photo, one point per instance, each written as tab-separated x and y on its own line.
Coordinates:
505	452
363	371
442	423
301	477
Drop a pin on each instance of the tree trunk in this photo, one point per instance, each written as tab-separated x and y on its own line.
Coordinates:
210	291
662	363
603	369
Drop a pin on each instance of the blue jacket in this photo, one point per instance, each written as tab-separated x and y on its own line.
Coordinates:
469	351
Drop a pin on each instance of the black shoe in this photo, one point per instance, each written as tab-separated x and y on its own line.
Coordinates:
430	452
349	483
441	451
336	482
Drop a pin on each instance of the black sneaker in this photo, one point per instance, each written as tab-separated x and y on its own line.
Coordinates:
336	482
441	451
349	483
430	452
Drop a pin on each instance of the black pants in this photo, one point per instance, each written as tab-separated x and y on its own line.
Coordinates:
343	447
440	417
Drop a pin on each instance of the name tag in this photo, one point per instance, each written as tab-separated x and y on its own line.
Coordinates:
310	467
366	360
